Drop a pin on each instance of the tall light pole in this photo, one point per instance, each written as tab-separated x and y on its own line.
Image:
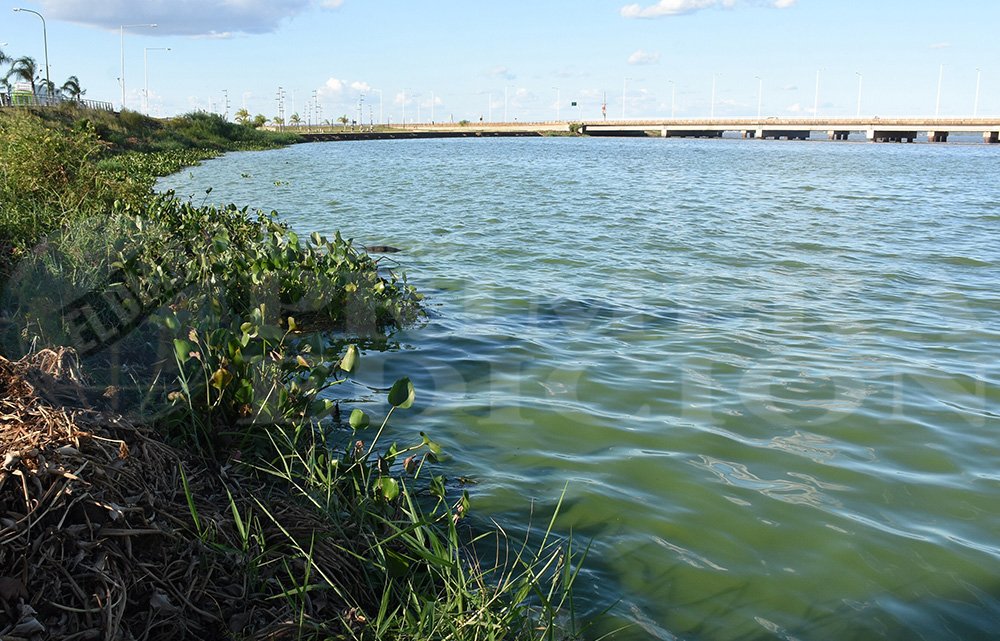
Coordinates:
816	98
432	107
937	102
380	121
673	97
624	85
712	106
45	43
975	104
145	67
760	95
860	79
121	30
558	102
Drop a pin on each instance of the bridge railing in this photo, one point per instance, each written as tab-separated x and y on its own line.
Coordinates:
27	100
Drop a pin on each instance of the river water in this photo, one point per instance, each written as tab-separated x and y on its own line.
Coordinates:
767	373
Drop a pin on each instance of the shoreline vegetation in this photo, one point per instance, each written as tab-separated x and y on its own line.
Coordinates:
176	459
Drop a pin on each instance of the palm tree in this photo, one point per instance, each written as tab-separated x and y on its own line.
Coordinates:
71	89
24	69
4	58
51	93
295	119
242	116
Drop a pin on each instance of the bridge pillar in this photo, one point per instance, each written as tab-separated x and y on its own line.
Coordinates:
838	134
991	137
937	136
876	135
663	132
749	133
789	134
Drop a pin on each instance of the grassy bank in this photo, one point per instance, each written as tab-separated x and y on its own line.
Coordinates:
176	458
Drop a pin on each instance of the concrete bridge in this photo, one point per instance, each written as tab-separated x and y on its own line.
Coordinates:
874	129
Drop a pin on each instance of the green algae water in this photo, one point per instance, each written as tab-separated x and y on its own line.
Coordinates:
767	373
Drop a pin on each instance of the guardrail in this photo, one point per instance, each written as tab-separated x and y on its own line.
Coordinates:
21	100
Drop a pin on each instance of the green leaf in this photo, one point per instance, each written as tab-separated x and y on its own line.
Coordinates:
320	408
389	487
350	359
183	349
359	420
431	445
316	238
402	394
170	320
437	487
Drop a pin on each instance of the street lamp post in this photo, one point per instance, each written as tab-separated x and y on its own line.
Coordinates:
860	79
558	102
45	43
760	95
145	67
380	121
624	85
937	102
975	104
711	111
816	98
121	30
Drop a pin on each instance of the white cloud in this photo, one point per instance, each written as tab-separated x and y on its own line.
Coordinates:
184	17
680	7
797	108
331	87
361	86
640	57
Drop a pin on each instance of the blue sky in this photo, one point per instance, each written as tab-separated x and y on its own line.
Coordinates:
528	59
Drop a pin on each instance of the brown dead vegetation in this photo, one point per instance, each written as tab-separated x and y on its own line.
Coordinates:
98	541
